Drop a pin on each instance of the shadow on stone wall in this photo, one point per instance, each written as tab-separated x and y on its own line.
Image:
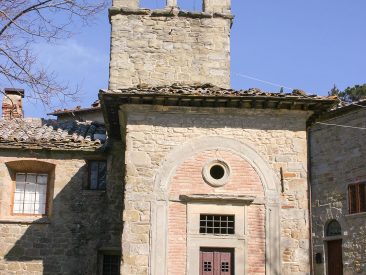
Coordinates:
82	222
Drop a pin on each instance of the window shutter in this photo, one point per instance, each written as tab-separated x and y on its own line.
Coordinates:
362	198
352	198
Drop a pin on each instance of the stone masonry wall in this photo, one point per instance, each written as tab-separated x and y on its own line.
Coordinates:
337	160
163	47
79	224
279	136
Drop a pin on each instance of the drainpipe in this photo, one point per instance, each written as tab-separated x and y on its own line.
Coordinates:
310	201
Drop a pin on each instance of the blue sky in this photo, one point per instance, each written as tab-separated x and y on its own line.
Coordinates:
306	44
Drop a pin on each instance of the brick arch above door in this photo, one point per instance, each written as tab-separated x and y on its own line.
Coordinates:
163	178
190	148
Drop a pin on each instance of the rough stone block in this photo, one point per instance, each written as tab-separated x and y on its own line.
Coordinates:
220	6
138	158
126	3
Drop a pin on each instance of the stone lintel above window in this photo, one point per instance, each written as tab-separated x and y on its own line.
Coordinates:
240	199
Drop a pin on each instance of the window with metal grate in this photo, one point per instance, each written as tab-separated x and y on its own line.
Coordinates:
111	264
217	224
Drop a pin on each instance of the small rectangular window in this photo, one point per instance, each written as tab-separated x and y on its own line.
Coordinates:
30	196
357	198
217	224
97	174
111	264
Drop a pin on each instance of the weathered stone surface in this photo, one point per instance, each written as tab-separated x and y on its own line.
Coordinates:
219	6
79	222
157	132
162	47
337	160
126	3
138	158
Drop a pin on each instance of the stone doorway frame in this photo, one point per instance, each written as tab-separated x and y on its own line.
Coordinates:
159	207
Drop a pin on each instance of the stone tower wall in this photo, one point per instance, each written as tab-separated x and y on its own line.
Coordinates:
162	47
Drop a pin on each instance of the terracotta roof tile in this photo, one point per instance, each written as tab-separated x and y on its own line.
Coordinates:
95	106
208	90
51	134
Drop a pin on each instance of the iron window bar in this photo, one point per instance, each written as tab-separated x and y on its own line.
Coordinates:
217	224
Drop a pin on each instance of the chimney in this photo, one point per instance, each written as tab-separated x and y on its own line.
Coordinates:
12	103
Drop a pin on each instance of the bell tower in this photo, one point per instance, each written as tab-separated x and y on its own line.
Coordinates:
166	46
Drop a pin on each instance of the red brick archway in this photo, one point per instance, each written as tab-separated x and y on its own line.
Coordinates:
188	179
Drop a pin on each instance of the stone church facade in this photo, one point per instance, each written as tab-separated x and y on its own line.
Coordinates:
192	178
197	154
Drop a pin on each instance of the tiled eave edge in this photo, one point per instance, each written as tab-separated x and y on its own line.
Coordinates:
358	106
112	101
26	146
56	113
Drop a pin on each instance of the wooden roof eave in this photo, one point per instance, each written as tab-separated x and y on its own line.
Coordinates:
112	101
178	98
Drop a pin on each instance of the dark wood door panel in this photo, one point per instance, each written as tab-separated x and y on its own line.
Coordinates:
335	262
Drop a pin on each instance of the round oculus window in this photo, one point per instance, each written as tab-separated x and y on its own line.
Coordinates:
216	173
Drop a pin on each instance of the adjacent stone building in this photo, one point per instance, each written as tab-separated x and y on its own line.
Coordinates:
57	216
338	182
93	113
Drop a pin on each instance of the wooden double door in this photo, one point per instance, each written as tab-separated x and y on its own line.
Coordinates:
216	261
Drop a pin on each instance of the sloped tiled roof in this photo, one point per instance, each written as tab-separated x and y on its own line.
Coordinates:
208	90
344	108
207	95
94	107
51	134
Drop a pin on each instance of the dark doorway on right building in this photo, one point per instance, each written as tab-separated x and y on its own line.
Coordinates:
335	264
334	248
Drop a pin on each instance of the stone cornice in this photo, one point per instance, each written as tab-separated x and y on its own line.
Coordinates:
168	13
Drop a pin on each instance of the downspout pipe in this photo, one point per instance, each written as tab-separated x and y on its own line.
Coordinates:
308	136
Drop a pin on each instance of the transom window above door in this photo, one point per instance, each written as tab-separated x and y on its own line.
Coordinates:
217	224
333	229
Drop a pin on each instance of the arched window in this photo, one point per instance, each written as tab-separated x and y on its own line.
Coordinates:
333	229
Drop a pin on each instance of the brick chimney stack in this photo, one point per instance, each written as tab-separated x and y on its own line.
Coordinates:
12	106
